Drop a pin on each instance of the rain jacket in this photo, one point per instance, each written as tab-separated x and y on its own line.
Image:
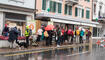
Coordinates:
82	33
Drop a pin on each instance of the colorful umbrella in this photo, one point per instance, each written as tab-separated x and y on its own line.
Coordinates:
49	27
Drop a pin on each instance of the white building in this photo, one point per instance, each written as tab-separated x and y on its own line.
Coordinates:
16	13
99	14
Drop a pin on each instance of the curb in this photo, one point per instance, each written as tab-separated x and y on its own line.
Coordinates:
42	49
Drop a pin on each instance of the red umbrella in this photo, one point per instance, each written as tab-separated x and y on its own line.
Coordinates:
49	27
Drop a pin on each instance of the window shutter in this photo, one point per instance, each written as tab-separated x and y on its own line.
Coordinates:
76	11
82	13
87	14
54	6
65	9
88	0
50	6
59	7
43	4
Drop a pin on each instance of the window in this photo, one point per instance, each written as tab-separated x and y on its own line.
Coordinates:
87	14
95	32
43	4
55	7
59	7
76	11
79	12
68	9
82	13
87	0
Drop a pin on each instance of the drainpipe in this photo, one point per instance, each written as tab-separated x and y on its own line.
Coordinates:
35	10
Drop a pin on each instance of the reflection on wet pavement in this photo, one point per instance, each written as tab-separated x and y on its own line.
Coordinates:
62	54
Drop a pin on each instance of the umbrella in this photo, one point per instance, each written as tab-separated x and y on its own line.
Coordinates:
49	27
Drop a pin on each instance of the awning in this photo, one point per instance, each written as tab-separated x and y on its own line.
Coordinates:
73	22
68	19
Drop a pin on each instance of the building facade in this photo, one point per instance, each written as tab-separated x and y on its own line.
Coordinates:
70	13
16	13
99	16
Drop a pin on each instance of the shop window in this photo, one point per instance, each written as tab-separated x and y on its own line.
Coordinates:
15	16
95	32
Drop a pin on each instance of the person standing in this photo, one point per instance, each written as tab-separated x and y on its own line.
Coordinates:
88	35
27	35
81	35
77	33
62	35
58	37
13	35
16	32
39	34
46	38
5	30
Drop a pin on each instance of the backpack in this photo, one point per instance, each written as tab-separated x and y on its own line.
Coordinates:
69	32
46	34
77	32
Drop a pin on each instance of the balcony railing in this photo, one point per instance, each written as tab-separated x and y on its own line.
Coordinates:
73	2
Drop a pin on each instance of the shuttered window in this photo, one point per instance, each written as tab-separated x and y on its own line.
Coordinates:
43	4
76	11
87	14
59	7
65	9
82	13
70	10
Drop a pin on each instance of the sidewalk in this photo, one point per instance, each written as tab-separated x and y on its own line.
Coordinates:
7	51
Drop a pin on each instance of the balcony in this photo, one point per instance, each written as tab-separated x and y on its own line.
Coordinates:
102	17
71	2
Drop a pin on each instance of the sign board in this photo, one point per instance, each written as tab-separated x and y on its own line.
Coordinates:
32	25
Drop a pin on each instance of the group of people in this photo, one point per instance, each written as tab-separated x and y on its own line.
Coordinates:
13	34
61	35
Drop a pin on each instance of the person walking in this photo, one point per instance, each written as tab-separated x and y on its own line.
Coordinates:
27	35
5	30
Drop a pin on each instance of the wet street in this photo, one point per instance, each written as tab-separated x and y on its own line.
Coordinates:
79	53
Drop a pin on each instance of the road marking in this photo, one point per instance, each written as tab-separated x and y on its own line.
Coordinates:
24	53
78	53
